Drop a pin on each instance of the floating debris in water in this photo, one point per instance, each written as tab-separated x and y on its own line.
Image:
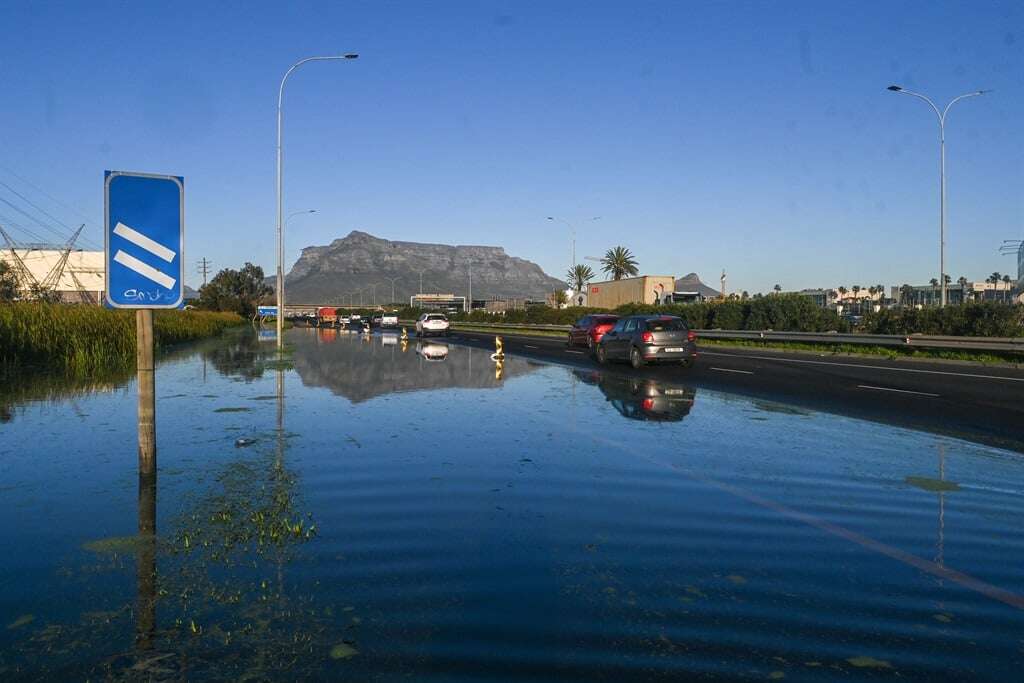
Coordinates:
343	651
736	579
232	410
114	545
244	441
23	620
934	485
865	662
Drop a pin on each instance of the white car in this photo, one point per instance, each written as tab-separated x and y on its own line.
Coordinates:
431	324
389	320
432	351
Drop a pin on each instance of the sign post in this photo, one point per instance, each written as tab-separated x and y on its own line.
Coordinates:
144	231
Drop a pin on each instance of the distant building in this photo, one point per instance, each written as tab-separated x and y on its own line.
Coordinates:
438	302
821	297
931	295
689	288
646	289
501	306
80	280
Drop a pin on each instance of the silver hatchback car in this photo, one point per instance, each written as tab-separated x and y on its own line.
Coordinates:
642	339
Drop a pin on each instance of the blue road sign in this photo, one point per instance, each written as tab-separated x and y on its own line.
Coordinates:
145	240
266	310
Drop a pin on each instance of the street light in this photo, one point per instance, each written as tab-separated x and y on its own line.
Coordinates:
280	187
393	280
942	171
572	236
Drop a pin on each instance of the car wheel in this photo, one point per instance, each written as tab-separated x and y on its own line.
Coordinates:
686	363
635	359
602	356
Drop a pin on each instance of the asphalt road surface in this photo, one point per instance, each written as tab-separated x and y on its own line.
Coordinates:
965	400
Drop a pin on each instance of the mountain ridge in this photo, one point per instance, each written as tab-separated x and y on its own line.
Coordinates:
334	273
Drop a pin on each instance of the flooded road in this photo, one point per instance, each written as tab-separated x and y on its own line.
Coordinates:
372	510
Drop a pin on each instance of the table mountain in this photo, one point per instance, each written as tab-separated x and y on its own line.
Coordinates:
325	275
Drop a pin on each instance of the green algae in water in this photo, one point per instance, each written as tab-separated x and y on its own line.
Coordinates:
120	545
23	620
933	485
865	662
343	651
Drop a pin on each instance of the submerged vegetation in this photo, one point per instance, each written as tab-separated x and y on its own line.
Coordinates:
85	339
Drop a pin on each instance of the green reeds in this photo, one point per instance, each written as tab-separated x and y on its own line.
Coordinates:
86	339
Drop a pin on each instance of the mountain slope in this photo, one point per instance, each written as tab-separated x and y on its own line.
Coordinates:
329	273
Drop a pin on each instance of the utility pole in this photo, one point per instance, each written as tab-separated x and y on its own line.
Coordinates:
469	302
203	267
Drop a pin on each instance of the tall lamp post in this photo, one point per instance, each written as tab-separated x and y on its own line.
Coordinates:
572	236
942	172
280	186
393	280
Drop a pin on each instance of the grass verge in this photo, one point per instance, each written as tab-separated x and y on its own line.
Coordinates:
804	347
84	339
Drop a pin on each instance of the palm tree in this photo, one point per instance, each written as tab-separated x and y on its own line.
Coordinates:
618	262
934	282
745	295
843	290
1006	292
579	275
777	288
962	281
856	291
906	294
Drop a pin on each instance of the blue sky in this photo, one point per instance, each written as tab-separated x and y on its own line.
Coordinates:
752	136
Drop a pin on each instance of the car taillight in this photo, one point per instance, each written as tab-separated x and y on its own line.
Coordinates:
690	336
647	337
648	403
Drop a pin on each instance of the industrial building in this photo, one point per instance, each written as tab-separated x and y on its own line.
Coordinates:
646	289
73	276
438	302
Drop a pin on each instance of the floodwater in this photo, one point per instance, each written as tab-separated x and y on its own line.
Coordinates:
372	510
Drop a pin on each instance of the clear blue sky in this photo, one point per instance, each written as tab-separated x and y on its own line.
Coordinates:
752	136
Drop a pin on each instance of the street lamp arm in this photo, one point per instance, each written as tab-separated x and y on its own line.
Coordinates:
957	99
938	113
296	65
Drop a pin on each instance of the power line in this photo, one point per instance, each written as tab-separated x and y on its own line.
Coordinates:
43	211
47	195
63	237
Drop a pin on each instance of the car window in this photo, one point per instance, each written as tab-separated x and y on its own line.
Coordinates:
631	325
583	322
618	326
666	325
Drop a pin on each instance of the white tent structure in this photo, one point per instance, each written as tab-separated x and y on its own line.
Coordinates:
80	280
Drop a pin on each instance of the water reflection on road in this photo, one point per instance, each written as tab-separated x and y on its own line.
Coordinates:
372	509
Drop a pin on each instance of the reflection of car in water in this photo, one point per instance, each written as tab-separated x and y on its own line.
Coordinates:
643	399
432	350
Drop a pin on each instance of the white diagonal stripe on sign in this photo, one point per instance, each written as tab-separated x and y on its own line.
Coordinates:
136	237
144	269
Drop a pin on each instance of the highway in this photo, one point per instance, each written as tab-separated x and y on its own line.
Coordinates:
964	400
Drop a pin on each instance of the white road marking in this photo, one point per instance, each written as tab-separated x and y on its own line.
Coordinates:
578	352
144	269
529	347
136	237
868	367
739	372
898	391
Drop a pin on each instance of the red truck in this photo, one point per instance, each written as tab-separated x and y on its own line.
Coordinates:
326	316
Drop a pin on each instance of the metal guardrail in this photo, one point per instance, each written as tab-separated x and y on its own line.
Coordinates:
923	341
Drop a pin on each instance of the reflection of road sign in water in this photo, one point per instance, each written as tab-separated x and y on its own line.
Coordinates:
266	310
267	335
145	239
